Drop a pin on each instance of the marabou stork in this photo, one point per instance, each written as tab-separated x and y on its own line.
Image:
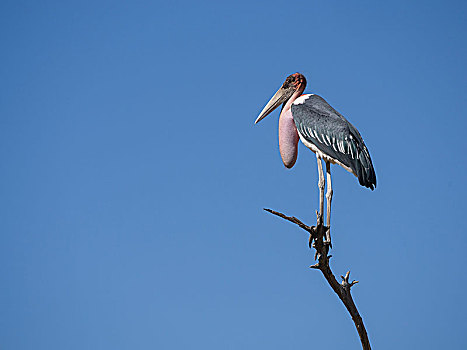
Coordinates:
324	131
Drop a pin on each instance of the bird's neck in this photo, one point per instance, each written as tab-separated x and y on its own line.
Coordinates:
288	135
296	95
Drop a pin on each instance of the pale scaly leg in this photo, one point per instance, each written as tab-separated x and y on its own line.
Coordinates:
328	203
321	187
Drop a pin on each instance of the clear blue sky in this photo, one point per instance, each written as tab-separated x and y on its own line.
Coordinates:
133	178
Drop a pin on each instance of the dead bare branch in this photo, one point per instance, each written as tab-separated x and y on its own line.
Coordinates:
317	241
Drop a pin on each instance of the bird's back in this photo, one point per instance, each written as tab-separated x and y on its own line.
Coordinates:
328	131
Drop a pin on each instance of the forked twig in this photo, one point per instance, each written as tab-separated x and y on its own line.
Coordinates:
317	235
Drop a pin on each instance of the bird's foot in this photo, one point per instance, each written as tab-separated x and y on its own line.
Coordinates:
319	219
327	240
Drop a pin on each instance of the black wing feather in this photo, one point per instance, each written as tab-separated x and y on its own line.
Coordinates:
332	134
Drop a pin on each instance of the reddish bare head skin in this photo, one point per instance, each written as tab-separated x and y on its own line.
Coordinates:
296	80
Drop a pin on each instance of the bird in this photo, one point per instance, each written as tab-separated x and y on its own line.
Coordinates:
326	132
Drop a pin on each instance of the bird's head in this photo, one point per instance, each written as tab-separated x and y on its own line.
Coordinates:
293	86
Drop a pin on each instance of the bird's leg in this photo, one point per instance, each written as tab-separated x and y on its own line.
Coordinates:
320	186
328	203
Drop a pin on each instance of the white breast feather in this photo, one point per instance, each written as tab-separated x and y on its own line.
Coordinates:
301	100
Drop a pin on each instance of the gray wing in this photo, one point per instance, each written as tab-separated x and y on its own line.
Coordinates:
319	123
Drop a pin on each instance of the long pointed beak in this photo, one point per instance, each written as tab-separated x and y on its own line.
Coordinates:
279	97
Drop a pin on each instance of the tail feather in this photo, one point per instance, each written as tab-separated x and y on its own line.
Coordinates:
365	171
